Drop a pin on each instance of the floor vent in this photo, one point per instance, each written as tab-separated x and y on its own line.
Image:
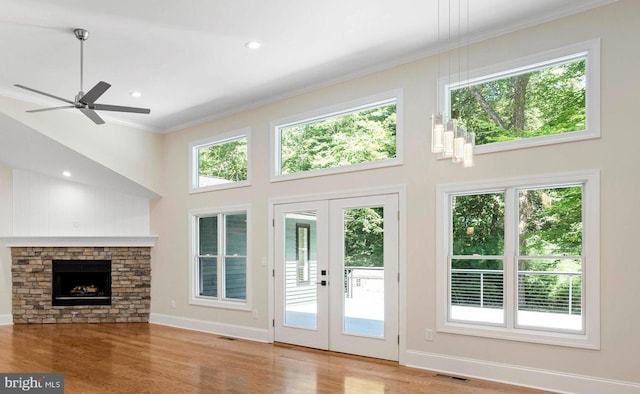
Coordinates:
228	338
456	378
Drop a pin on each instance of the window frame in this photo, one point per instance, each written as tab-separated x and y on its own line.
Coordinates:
194	297
194	160
588	50
328	112
590	338
306	266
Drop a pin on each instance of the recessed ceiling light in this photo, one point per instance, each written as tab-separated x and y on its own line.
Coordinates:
66	173
135	94
253	45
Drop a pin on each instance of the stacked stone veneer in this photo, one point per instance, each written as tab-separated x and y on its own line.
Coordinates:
31	271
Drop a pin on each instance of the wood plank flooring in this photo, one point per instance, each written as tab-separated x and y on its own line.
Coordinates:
149	358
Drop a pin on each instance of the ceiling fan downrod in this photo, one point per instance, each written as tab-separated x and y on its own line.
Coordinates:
86	103
82	35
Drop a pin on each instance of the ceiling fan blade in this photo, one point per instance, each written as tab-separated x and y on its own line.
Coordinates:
51	108
92	95
117	108
44	94
91	114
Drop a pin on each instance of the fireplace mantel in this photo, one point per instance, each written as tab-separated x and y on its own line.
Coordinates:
79	241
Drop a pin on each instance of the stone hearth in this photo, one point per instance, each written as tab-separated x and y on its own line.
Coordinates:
31	271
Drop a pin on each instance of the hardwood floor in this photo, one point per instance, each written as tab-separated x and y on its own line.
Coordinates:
149	358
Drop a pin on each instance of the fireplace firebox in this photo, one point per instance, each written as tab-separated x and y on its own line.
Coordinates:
81	282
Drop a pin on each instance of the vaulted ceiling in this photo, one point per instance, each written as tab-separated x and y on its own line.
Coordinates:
189	60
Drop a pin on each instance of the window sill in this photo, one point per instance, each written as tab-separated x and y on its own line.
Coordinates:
338	170
224	186
583	341
213	303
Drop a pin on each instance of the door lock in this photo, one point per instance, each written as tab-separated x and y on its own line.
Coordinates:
322	282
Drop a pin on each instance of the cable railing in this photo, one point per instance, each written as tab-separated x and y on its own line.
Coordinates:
540	291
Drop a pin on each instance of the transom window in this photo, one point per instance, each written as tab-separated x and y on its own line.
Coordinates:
358	135
219	270
220	162
519	259
544	99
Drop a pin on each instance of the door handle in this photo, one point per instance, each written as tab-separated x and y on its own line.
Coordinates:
322	282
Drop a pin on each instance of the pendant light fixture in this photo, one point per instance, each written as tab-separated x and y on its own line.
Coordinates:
448	139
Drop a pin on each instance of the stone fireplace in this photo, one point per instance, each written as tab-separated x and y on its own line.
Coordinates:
43	293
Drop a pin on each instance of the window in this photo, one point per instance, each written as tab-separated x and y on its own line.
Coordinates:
303	253
220	162
220	255
518	259
544	99
353	136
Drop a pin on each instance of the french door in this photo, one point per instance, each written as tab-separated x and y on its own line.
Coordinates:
336	275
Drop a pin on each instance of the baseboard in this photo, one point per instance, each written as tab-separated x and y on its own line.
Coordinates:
517	375
6	320
229	330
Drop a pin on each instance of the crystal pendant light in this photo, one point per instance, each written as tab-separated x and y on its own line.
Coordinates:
467	155
459	140
448	136
437	133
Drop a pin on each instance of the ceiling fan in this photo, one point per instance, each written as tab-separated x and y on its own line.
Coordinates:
86	102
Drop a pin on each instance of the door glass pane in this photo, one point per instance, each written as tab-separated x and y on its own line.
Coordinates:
363	271
301	296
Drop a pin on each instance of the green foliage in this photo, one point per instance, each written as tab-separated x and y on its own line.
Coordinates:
478	224
364	237
550	293
353	138
358	137
226	161
549	223
542	102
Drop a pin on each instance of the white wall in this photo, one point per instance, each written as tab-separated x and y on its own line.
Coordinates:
47	206
132	153
614	154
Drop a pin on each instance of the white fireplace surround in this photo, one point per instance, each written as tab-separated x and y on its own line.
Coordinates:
79	241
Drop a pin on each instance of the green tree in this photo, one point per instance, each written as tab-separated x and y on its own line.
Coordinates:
353	138
546	101
364	237
549	223
227	161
